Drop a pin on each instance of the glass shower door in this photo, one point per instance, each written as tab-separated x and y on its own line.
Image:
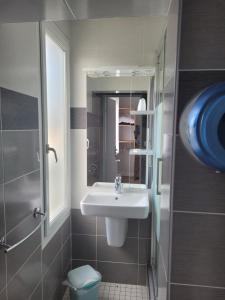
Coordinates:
157	170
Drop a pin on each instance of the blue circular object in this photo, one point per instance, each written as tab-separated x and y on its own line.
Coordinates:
202	126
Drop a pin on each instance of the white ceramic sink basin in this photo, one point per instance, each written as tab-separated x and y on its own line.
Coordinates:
134	205
103	201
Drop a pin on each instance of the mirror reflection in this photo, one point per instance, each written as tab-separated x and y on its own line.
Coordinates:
117	122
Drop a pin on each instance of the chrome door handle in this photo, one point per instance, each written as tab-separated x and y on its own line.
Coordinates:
157	183
48	149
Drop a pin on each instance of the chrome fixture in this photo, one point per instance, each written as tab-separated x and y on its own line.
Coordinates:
37	212
8	248
3	244
118	184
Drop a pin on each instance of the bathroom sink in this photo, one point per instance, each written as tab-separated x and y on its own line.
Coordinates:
103	201
134	205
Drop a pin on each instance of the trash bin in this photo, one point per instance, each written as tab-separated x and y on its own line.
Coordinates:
84	283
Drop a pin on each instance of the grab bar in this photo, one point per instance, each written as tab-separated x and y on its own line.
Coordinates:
10	248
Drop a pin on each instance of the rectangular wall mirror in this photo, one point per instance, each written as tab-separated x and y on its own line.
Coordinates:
118	117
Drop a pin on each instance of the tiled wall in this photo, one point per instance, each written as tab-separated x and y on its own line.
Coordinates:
27	272
127	264
198	240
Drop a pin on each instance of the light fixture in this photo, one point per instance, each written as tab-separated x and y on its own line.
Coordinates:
117	73
117	92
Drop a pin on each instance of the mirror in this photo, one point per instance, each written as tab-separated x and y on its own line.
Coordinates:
117	122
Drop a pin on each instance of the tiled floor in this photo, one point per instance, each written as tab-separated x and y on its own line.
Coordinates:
114	291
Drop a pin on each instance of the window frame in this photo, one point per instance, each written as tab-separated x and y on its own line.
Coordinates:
49	229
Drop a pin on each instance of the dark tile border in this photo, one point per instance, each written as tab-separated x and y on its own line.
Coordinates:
78	117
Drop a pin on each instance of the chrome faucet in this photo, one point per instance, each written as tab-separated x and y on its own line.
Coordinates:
118	184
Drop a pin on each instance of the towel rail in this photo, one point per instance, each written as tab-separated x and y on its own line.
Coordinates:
8	248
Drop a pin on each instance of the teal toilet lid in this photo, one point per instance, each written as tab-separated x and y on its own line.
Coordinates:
84	277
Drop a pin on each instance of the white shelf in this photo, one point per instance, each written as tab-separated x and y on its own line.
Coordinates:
141	112
140	152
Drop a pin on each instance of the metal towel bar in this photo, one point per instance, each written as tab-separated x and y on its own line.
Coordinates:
10	248
7	248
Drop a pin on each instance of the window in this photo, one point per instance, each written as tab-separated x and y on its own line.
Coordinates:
55	106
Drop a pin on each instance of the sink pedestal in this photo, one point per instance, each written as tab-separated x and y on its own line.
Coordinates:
116	231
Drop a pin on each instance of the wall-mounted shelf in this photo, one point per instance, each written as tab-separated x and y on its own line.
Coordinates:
141	112
140	152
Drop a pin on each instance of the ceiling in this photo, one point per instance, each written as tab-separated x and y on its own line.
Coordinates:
36	10
94	9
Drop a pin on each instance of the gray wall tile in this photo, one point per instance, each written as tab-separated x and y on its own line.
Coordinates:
127	253
83	224
78	263
19	111
3	295
197	188
198	249
52	279
17	257
132	228
78	117
2	214
142	275
1	152
37	294
196	293
26	279
84	247
145	228
22	196
116	272
2	270
54	246
20	153
202	34
66	256
144	251
65	230
101	229
58	293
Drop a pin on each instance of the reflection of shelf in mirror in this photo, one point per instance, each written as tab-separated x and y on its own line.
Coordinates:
140	152
127	141
126	125
141	112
